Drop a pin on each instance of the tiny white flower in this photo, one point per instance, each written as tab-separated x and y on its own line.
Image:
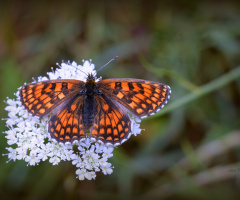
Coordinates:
92	175
81	149
21	153
88	175
103	161
43	155
86	143
96	169
68	154
81	174
107	152
54	160
136	126
76	159
11	137
80	165
32	159
107	169
12	155
99	148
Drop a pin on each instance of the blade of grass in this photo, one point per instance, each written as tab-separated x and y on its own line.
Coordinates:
168	73
201	91
196	181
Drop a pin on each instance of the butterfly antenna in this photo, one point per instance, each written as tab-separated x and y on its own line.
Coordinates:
74	67
108	62
81	70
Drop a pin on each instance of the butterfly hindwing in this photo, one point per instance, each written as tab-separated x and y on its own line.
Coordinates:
42	97
142	98
111	124
66	123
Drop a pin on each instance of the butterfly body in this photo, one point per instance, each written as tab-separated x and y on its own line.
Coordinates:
100	107
89	91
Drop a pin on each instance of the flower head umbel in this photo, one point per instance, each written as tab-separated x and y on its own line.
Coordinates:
30	141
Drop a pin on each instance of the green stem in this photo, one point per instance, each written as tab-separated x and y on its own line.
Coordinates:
168	73
201	91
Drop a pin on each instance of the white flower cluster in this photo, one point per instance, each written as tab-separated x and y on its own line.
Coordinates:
30	140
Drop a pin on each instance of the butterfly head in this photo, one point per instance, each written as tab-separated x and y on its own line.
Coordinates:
91	78
90	85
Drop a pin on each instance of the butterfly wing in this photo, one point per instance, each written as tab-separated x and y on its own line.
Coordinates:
142	98
111	123
42	97
66	123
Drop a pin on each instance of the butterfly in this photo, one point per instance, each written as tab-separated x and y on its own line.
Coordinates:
100	107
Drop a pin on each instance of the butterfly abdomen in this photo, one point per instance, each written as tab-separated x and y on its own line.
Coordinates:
89	111
89	103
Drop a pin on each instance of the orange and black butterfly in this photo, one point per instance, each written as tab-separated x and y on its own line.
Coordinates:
97	106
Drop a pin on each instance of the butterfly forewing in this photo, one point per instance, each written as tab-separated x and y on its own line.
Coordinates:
142	98
42	97
111	124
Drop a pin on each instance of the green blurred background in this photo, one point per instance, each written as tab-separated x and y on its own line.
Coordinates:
189	150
